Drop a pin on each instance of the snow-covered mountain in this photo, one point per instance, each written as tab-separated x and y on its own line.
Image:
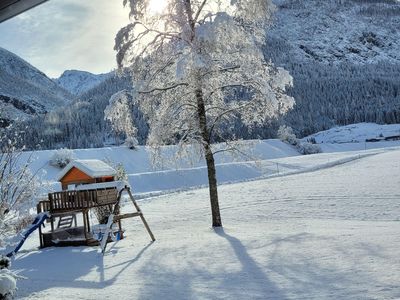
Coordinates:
25	91
344	56
332	31
79	82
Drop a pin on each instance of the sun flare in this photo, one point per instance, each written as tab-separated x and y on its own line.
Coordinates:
156	7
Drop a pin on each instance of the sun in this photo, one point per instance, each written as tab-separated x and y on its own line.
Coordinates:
156	7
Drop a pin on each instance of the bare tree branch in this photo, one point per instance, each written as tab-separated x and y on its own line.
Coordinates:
164	89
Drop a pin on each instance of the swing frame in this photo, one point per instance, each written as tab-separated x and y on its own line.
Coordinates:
115	217
70	203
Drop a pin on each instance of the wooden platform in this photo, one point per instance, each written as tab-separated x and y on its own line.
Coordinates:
68	237
74	236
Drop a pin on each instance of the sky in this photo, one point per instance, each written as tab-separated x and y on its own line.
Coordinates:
62	35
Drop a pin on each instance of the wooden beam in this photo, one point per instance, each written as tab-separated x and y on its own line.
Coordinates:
125	216
85	225
140	214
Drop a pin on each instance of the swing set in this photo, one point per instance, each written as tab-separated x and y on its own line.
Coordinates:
65	206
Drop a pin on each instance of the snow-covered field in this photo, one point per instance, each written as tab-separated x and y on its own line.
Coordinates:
172	174
328	234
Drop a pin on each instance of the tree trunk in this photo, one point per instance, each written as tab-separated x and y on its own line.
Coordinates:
209	156
212	185
201	114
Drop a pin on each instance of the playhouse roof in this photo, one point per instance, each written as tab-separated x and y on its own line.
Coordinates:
92	167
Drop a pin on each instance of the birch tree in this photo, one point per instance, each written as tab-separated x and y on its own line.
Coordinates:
197	66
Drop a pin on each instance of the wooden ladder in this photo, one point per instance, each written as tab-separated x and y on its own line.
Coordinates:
115	217
66	221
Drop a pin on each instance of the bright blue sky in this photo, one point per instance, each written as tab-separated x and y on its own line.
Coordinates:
66	34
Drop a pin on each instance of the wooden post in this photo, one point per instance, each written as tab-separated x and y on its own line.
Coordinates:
39	210
120	230
51	211
84	224
140	214
117	218
87	220
40	236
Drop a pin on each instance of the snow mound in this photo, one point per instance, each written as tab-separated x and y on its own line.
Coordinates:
8	284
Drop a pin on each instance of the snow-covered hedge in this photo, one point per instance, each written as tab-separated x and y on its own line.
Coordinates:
286	134
308	148
61	158
131	142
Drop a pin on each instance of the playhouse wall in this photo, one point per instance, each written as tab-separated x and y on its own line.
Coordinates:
76	176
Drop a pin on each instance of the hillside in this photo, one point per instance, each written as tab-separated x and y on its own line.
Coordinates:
25	91
344	57
333	31
81	124
264	158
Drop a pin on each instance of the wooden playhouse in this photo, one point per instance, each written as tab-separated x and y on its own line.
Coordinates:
79	172
86	184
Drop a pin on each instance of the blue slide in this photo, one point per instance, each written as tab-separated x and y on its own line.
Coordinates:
39	220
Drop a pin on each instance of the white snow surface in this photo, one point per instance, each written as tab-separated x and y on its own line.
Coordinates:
329	233
171	173
119	185
268	158
356	133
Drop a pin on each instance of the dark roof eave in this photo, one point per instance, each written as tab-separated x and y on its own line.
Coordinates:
12	8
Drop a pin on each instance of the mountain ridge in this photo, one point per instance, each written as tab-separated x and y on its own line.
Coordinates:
26	91
78	82
344	56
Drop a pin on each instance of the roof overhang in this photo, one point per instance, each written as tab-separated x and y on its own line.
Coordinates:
11	8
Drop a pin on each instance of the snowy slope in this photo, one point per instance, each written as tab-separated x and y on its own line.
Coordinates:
267	158
26	91
357	133
330	234
79	82
328	31
172	173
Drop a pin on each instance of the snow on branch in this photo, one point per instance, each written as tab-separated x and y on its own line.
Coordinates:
219	55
